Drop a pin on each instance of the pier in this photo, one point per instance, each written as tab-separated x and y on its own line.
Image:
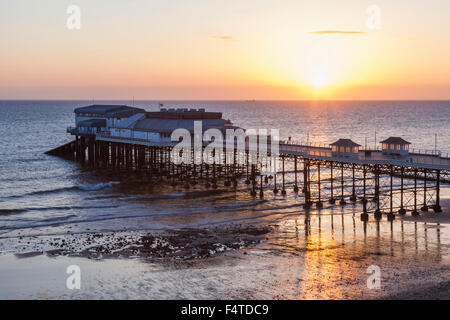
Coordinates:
387	182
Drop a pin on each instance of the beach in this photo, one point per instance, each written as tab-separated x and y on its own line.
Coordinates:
293	259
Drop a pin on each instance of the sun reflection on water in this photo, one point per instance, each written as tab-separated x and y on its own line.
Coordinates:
330	253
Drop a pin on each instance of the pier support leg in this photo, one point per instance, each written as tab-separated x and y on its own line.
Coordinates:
295	175
261	190
235	169
364	200
437	206
76	149
247	180
391	215
253	178
364	215
424	206
283	190
275	189
353	197
332	200
207	184
402	210
112	155
91	152
415	212
319	201
377	193
82	149
306	186
214	181
342	202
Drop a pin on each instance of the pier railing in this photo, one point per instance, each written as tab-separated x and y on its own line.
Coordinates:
415	151
415	157
85	130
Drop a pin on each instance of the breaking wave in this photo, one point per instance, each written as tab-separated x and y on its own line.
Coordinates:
4	212
98	186
86	187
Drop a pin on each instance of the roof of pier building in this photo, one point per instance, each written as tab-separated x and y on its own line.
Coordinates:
169	125
168	120
95	123
395	140
184	113
108	111
345	143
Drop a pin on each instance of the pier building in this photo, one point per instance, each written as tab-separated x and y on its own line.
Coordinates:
395	146
345	148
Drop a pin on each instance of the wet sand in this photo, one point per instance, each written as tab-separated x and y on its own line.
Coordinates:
320	255
184	244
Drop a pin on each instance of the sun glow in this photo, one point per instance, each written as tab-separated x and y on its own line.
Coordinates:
319	80
304	50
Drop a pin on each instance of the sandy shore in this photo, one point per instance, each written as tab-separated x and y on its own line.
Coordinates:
316	256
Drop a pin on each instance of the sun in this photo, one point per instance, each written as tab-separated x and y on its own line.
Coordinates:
319	79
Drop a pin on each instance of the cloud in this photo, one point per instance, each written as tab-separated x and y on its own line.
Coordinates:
224	37
335	32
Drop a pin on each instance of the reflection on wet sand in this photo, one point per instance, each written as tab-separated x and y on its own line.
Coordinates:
330	254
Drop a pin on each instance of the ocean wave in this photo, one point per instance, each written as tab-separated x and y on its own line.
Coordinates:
86	187
205	193
242	204
56	208
173	195
58	219
49	191
167	195
4	212
99	186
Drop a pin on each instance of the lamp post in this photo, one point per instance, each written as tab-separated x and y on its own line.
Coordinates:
435	143
375	146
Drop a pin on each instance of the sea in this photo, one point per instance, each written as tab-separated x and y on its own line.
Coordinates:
43	194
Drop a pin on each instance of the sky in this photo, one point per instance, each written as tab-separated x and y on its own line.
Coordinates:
235	49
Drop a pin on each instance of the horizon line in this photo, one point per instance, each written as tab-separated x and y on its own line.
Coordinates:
243	99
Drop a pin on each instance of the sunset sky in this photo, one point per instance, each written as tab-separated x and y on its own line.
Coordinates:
211	49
